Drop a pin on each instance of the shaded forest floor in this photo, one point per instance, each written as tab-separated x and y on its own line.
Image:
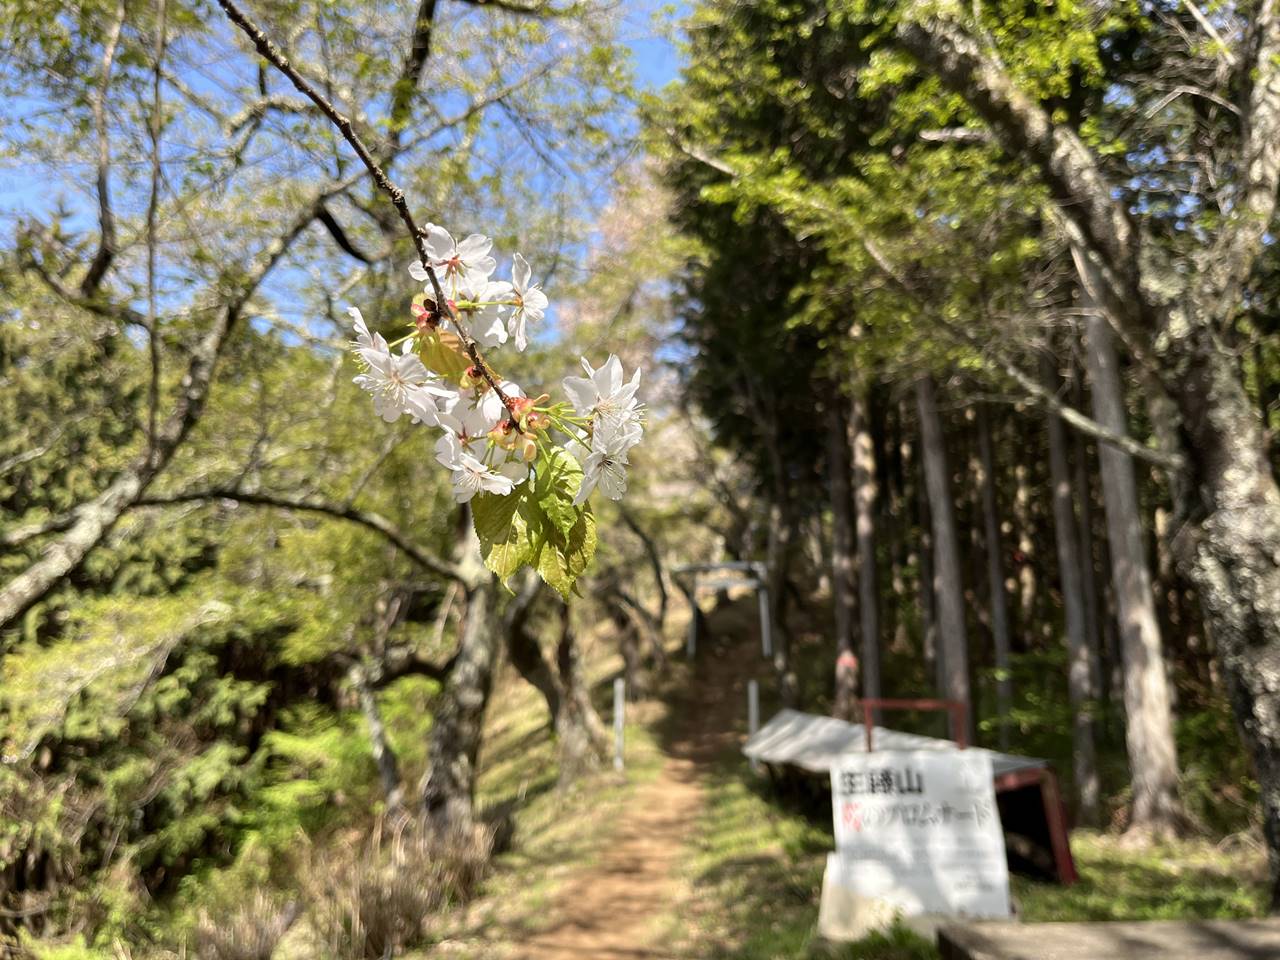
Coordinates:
689	855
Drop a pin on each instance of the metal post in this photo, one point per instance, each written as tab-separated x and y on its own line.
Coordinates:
753	714
691	644
619	720
766	625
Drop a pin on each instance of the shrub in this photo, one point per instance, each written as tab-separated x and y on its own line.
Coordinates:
371	899
248	932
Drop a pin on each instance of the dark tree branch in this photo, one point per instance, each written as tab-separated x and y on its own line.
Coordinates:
527	9
365	518
406	85
340	237
101	262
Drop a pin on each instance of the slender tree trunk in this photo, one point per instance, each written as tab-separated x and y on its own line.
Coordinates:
842	546
902	501
948	589
584	742
448	785
1089	577
1153	757
1080	680
865	495
524	650
778	556
1028	586
928	595
995	576
383	755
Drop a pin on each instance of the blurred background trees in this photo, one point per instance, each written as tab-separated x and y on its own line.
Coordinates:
883	353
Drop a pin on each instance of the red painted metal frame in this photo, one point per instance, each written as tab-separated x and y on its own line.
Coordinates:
1055	815
955	708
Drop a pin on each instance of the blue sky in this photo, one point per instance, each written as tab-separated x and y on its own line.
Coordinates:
646	28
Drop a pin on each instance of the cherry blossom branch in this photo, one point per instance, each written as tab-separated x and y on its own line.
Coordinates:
267	48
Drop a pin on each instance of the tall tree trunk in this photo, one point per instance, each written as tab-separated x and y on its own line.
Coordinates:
896	524
1232	555
524	650
865	496
448	785
928	595
1153	757
842	546
778	558
584	742
1080	678
1088	567
1028	587
995	576
948	589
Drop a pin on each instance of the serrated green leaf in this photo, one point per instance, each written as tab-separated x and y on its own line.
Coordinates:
507	542
561	559
492	514
558	479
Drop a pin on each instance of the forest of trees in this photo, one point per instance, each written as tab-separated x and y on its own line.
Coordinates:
963	319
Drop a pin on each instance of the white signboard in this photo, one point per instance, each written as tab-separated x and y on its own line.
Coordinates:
920	831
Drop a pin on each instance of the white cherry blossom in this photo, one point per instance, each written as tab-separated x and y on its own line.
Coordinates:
399	382
456	264
468	423
605	464
483	445
605	396
530	302
484	321
471	477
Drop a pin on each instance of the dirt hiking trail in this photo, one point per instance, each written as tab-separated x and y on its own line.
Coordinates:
610	909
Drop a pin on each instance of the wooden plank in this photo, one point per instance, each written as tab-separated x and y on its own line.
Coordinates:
1155	940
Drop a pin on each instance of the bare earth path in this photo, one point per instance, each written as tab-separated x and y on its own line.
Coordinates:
609	910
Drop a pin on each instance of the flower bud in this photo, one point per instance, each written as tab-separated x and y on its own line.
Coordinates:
538	421
425	315
528	448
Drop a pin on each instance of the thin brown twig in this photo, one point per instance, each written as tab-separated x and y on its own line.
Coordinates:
267	48
106	218
153	201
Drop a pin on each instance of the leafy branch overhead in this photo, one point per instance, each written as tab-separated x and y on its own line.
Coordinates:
497	442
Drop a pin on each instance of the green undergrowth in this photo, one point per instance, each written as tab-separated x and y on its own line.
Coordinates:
1191	879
